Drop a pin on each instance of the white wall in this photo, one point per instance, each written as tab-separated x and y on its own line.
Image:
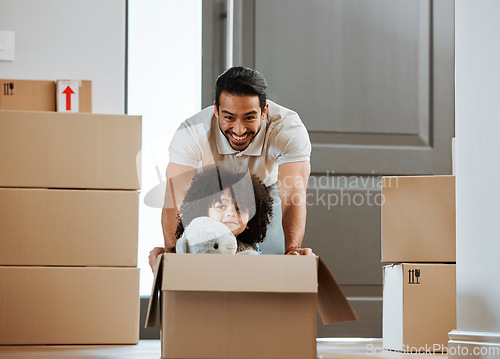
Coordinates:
69	39
477	164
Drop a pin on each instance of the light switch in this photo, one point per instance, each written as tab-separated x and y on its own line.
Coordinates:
7	45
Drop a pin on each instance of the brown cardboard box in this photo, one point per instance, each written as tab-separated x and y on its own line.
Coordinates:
69	150
68	227
59	305
33	95
242	306
82	88
27	95
418	219
419	306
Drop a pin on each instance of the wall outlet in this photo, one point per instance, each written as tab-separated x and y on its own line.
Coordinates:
7	45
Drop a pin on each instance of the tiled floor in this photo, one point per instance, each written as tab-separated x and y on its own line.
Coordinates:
342	348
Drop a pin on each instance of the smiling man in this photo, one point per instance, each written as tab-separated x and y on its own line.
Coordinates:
243	131
239	128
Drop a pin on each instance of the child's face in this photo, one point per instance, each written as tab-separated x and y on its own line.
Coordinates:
227	212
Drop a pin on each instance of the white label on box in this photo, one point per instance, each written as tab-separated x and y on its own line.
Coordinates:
68	96
392	308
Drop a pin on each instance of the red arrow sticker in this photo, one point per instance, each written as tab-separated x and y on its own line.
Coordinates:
68	92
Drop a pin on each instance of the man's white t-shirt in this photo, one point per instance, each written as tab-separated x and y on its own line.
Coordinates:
282	138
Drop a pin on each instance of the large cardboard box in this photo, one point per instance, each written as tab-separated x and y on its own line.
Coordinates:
419	306
68	227
28	95
58	305
238	306
418	219
69	150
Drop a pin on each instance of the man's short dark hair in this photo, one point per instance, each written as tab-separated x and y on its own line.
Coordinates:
240	80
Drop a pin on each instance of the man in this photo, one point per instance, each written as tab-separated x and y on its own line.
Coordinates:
243	131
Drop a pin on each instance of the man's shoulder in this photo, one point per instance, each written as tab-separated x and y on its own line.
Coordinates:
285	125
191	139
198	125
202	117
279	116
282	119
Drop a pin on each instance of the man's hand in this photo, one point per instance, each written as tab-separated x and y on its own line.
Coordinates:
153	255
299	252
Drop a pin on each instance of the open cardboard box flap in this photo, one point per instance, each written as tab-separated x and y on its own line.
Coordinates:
333	305
229	273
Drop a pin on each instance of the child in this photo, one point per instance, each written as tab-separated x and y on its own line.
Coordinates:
240	201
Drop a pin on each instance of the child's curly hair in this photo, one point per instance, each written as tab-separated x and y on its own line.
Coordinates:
206	189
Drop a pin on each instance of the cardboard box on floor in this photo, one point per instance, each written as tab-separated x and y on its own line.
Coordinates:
69	150
418	219
74	96
60	305
68	227
239	306
419	306
28	95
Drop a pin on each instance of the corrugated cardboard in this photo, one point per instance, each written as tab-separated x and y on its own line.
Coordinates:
27	95
418	219
419	308
68	227
82	88
236	306
69	150
58	305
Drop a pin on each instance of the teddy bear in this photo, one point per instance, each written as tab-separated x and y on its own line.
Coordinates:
206	235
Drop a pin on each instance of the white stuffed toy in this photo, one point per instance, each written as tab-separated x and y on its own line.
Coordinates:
206	235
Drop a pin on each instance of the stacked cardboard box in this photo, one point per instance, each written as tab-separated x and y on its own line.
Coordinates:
68	228
418	238
37	95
